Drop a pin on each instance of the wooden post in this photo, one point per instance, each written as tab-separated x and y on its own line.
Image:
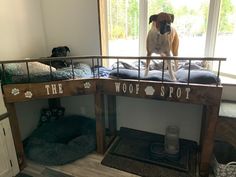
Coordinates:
111	103
212	112
100	122
16	134
54	102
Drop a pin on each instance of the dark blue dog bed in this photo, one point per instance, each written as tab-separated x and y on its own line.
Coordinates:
62	141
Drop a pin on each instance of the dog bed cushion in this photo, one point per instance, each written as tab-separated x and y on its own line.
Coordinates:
154	75
62	141
199	76
17	73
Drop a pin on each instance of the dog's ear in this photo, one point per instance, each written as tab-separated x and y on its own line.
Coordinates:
54	50
152	18
67	48
172	17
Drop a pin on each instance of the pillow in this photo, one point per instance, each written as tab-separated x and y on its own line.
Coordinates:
21	69
154	75
62	141
197	76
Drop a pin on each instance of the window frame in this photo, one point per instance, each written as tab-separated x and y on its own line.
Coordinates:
211	33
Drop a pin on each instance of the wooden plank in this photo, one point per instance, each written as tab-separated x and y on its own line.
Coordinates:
55	89
16	134
225	130
54	102
111	103
100	122
177	92
203	125
4	116
212	112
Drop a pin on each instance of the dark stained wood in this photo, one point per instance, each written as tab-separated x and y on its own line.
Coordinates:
226	130
47	90
177	92
112	57
203	125
111	104
54	102
4	116
100	121
16	134
212	112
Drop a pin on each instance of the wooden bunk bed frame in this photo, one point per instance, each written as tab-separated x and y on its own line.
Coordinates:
207	95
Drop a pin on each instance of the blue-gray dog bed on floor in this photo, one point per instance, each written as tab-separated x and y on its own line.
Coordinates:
62	141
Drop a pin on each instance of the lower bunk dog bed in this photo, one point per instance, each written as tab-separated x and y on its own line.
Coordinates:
24	80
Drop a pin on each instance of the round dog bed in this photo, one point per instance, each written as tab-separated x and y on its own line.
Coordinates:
62	141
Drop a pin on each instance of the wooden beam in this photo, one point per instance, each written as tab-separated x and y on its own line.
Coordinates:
33	91
54	102
16	134
166	91
100	122
212	112
111	103
4	116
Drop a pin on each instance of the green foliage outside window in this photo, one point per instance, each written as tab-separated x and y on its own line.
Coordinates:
123	17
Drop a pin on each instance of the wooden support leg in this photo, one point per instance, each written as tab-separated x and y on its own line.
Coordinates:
54	102
211	114
111	103
16	134
100	122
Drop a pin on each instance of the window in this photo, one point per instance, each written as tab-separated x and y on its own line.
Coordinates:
197	23
225	39
123	27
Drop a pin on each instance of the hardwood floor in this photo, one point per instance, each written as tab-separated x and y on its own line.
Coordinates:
89	166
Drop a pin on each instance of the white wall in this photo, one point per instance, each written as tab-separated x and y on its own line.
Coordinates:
21	32
73	23
22	36
155	116
82	105
28	114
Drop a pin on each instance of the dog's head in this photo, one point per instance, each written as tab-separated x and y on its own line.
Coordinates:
60	51
163	21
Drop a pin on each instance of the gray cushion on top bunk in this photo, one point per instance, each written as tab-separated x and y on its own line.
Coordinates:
21	68
200	76
62	141
12	75
154	75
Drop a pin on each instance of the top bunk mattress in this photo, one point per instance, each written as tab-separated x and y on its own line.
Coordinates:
38	72
194	73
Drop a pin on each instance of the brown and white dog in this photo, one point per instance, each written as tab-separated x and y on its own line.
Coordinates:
162	39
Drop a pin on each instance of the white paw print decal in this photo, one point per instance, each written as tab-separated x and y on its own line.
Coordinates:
28	94
15	91
87	85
